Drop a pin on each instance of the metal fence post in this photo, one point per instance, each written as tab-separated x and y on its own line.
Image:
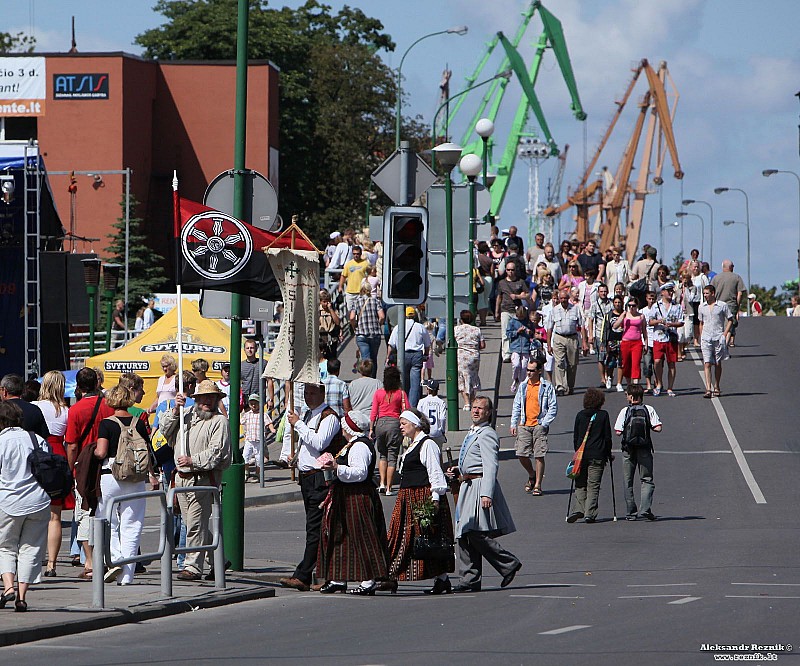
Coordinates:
168	525
219	552
98	558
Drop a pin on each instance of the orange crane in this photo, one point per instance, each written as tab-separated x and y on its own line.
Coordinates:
596	195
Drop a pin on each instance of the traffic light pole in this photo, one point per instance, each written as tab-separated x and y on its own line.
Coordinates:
451	354
405	148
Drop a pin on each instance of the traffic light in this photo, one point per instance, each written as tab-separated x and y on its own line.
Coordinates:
405	256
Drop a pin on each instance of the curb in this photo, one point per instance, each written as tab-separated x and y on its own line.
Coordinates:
112	617
277	498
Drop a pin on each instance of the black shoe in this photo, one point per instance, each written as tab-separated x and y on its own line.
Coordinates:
589	520
508	578
440	587
461	588
560	392
362	591
332	586
210	574
141	568
631	517
574	517
647	514
50	573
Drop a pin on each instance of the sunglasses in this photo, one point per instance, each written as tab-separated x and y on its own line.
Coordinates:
532	370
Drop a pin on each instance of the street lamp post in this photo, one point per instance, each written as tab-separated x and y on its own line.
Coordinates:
470	166
485	128
689	202
767	173
720	190
110	281
702	228
448	154
91	277
457	30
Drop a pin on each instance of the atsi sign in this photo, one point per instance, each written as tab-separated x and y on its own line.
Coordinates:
80	86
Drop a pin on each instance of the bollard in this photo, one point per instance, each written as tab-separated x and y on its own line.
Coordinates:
219	551
168	527
99	533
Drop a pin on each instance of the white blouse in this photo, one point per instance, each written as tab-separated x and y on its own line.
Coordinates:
429	456
358	459
56	423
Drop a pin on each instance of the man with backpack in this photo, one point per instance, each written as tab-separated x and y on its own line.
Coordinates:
634	423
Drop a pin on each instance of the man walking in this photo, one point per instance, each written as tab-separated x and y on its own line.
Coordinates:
665	318
417	348
592	261
366	319
598	326
353	273
534	409
200	457
481	513
730	290
511	292
318	431
562	342
716	320
336	393
435	408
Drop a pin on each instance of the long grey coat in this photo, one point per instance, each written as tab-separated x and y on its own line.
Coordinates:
479	455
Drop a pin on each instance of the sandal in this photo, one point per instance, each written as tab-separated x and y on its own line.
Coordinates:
716	394
8	595
707	394
529	487
20	606
537	492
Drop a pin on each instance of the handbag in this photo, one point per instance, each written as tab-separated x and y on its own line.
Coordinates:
638	288
576	464
432	547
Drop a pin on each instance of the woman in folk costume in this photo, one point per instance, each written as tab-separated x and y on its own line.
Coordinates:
422	479
352	542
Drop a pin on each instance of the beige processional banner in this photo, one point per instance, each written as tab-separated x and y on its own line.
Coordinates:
296	353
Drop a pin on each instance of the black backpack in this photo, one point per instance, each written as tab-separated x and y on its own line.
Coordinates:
51	471
636	431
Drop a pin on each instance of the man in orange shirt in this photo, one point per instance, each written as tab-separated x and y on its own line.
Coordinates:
534	409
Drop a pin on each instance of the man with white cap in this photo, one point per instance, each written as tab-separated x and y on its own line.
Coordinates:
665	318
333	241
755	307
435	408
200	457
417	347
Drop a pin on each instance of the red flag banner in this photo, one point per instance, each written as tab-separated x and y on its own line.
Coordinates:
217	251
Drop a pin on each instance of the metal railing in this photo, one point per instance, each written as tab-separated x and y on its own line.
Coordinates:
166	547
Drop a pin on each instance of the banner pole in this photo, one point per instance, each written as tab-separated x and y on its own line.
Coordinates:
179	334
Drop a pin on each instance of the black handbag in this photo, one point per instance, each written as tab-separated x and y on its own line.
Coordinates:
432	547
639	287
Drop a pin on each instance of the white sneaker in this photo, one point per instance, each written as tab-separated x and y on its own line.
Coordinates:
111	574
619	388
608	382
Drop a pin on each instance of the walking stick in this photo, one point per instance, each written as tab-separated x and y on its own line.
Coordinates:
569	501
613	491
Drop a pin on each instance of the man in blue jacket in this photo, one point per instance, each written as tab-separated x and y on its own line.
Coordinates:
535	408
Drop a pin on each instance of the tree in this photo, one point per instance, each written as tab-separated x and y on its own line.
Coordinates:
770	299
19	43
336	95
145	267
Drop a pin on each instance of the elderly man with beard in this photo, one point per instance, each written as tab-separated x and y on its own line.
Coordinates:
200	457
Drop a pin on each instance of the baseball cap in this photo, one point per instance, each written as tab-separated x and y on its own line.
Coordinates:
335	234
667	285
431	384
410	311
253	396
226	366
751	295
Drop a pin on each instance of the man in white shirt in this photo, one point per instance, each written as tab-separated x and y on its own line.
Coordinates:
148	317
647	354
716	320
618	269
318	430
665	318
435	408
417	348
343	253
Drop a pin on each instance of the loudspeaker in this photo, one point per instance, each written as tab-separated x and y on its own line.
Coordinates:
217	305
63	290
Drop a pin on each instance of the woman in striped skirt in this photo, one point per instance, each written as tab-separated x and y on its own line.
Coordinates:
422	479
353	537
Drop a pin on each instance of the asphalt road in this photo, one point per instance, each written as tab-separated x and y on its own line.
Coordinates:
719	566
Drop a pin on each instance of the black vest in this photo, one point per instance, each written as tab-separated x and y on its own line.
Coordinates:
343	459
415	474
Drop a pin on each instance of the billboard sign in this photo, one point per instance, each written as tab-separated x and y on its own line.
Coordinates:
80	86
23	86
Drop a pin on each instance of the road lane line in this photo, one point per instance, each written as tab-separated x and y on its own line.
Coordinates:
685	600
541	596
758	496
780	584
660	584
561	585
755	596
564	630
653	596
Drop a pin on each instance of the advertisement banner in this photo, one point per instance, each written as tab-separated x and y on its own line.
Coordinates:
23	86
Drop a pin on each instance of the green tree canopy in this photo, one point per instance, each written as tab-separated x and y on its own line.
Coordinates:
19	43
336	95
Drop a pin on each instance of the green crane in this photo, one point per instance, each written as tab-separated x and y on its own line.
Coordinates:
552	37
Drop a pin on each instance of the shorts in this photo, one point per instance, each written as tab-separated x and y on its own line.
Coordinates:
714	351
531	441
601	350
668	350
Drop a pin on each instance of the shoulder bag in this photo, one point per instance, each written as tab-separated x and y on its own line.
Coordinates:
576	464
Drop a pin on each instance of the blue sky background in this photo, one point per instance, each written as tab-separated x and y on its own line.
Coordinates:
735	63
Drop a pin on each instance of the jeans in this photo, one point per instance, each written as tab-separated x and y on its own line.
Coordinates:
412	376
369	345
441	332
640	457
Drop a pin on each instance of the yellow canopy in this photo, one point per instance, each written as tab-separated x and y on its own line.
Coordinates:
209	339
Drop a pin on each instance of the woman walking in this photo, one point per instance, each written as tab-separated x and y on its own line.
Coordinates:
634	338
24	508
387	405
422	480
470	341
167	387
353	537
592	426
55	410
127	521
519	334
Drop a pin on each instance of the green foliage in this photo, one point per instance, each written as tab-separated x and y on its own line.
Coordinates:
336	95
145	267
677	262
19	43
771	299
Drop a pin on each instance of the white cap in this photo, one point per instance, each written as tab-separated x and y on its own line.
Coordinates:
751	295
335	234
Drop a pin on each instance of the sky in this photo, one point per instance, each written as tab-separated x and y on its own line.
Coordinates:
734	63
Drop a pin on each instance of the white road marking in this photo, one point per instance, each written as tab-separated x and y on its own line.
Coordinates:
778	584
660	584
564	630
561	585
653	596
685	600
541	596
758	496
755	596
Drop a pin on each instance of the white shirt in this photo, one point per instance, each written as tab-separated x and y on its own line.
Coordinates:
648	312
341	255
20	493
417	338
57	425
148	318
358	459
225	387
672	312
428	456
714	317
620	422
312	443
617	271
435	408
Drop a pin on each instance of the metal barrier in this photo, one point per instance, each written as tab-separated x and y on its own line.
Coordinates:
166	547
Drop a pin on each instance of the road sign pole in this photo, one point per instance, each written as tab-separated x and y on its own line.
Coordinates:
404	149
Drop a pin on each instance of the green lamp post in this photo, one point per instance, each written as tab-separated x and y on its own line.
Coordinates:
470	165
110	282
91	277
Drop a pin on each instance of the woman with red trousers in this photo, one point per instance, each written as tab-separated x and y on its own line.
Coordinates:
634	338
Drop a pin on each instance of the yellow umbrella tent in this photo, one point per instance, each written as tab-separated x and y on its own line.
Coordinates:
202	338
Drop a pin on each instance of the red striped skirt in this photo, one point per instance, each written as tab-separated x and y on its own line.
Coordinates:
352	543
403	529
